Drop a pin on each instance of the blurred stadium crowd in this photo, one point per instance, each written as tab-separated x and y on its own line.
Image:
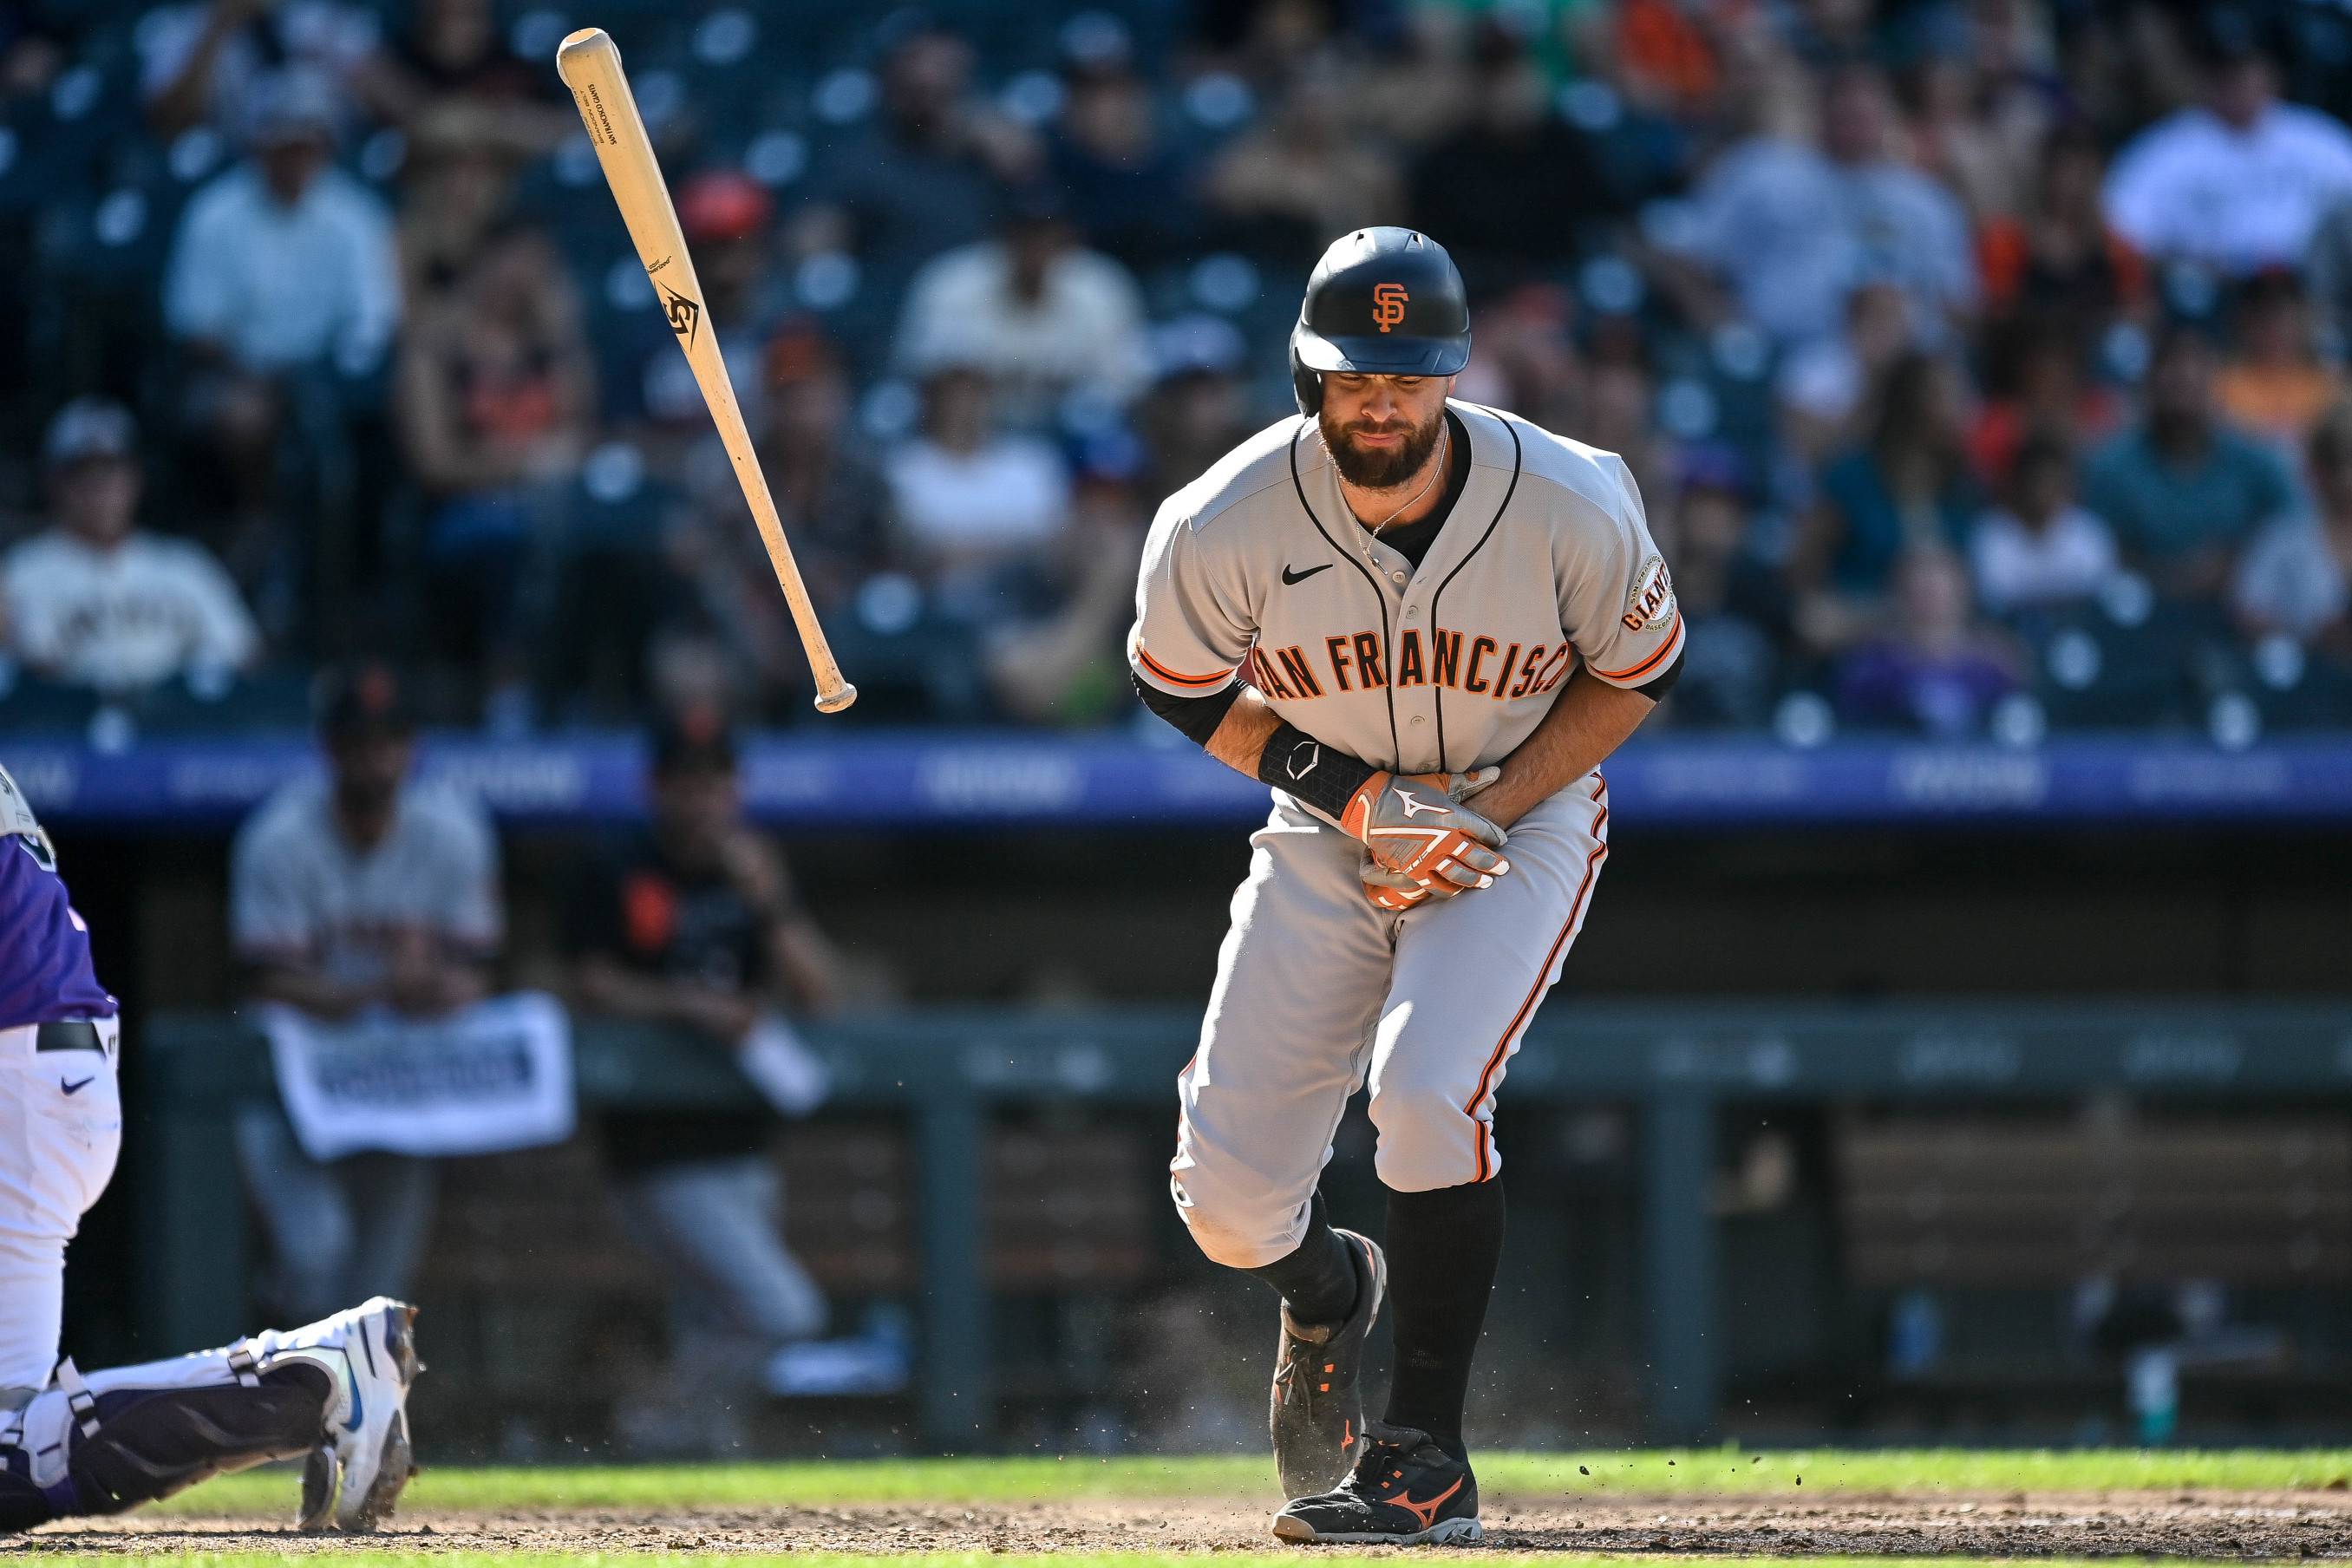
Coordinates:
1978	359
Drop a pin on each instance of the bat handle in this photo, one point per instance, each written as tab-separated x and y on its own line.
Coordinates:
839	698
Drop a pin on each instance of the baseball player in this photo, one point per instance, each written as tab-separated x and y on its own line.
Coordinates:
334	1393
1425	624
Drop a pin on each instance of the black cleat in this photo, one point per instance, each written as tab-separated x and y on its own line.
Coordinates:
1405	1490
1318	1415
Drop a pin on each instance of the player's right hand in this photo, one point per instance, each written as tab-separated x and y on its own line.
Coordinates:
1417	831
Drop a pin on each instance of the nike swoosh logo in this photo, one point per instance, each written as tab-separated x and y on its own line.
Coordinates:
358	1406
77	1087
1292	578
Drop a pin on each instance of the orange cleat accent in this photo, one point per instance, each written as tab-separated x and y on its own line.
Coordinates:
1425	1512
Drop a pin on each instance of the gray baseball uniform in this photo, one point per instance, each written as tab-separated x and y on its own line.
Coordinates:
1259	572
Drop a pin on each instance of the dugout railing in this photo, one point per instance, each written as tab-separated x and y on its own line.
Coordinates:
948	1071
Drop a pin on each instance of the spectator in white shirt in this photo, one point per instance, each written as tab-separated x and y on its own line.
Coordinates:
2296	579
94	600
286	259
1041	314
968	500
2042	549
2239	183
284	262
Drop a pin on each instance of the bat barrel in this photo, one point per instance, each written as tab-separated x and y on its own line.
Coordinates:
581	46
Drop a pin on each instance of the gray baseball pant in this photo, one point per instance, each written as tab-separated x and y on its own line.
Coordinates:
1318	992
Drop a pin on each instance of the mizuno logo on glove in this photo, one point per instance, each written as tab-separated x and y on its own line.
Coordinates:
1414	860
1414	805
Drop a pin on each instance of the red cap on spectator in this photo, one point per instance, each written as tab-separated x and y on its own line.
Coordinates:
724	205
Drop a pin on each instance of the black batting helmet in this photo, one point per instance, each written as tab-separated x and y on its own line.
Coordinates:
1382	301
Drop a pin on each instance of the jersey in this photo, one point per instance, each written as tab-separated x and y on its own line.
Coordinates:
641	910
45	975
300	894
1258	572
128	616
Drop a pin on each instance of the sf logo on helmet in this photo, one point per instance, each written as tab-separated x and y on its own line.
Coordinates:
1388	305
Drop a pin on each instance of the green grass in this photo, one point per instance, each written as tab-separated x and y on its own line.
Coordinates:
1827	1473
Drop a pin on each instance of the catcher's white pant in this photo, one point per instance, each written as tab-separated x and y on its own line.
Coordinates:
1318	991
60	1130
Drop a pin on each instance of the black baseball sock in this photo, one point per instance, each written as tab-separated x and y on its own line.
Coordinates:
1317	1278
1444	1249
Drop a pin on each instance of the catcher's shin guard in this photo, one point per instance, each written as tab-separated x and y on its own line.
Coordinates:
151	1444
22	1504
334	1392
77	1450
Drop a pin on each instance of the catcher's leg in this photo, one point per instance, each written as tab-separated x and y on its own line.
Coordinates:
60	1126
334	1392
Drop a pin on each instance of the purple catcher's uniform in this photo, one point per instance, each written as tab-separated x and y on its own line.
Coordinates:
45	970
60	1119
333	1394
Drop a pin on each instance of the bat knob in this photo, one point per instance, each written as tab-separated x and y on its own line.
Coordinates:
834	701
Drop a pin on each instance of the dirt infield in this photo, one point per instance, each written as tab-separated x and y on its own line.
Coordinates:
2205	1525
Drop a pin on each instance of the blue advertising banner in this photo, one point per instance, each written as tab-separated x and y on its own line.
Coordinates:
934	779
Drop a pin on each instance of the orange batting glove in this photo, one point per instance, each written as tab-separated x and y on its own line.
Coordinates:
1391	890
1421	840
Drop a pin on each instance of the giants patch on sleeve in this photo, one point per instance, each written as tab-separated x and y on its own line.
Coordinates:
1652	602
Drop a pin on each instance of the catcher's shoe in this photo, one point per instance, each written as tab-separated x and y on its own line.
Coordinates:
355	1476
1317	1415
1404	1491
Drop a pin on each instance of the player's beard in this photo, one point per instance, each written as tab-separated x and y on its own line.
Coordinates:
1379	470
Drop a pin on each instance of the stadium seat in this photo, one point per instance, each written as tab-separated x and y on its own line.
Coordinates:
194	704
929	673
32	706
2296	690
2092	671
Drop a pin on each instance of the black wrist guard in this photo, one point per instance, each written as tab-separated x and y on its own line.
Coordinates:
1321	777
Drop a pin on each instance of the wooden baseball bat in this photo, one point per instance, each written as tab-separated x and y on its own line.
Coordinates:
591	67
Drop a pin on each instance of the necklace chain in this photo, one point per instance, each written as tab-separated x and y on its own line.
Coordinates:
1444	450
